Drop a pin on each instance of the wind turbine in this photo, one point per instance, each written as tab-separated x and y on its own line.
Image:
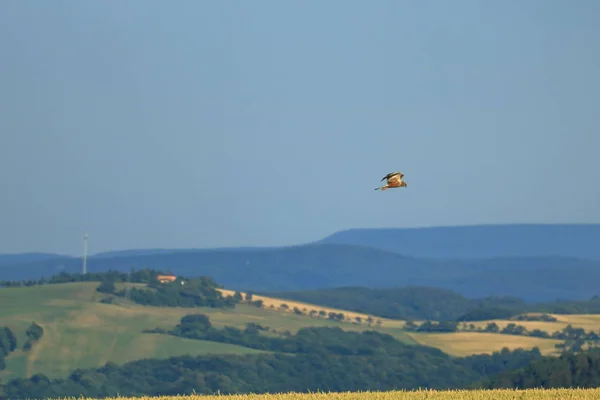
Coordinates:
84	266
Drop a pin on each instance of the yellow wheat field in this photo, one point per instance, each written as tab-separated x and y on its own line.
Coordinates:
463	344
530	394
306	308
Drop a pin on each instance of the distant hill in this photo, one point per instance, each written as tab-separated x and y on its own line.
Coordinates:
406	303
318	266
480	241
140	252
18	258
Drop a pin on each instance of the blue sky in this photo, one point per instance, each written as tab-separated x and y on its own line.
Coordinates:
201	124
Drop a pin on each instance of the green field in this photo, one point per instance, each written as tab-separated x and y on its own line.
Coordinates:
81	332
530	394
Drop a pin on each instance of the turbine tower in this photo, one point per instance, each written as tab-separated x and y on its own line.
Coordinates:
84	267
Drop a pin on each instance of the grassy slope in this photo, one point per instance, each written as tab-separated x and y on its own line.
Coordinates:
467	343
80	332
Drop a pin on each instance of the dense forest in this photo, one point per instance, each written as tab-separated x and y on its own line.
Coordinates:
581	369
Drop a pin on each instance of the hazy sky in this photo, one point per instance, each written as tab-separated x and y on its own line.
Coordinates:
226	123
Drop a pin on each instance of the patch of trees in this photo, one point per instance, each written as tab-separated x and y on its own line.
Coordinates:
106	286
8	344
34	333
325	359
247	299
576	339
432	326
529	317
198	292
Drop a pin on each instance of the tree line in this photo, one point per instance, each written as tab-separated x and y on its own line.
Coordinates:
145	275
569	370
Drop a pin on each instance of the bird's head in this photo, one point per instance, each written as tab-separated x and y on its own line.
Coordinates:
404	184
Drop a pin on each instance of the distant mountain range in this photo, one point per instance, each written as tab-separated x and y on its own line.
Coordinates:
480	241
533	262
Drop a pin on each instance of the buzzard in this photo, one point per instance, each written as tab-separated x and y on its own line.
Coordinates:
394	180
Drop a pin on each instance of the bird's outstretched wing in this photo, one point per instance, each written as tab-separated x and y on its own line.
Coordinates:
391	174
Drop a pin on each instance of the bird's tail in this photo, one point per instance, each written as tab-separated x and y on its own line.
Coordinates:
381	188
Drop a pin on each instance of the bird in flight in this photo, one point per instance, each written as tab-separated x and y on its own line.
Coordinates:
394	180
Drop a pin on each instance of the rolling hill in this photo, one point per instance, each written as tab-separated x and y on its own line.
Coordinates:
82	332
